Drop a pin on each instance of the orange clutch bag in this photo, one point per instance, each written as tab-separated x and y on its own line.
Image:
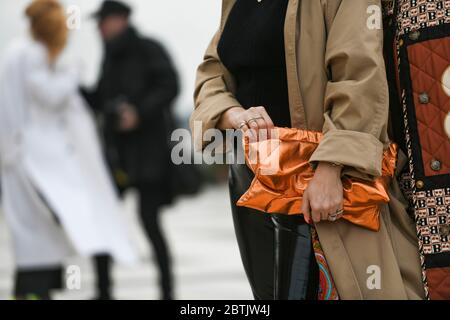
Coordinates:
282	172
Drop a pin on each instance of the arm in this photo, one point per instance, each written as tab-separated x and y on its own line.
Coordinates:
164	88
356	101
357	94
213	93
215	104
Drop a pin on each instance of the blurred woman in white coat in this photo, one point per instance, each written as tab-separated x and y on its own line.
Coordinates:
58	198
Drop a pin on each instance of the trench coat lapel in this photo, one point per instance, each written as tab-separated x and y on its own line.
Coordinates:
226	8
291	37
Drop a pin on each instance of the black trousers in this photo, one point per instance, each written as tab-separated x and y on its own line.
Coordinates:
150	217
276	250
149	211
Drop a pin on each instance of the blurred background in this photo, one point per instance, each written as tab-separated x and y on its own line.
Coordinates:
198	227
184	28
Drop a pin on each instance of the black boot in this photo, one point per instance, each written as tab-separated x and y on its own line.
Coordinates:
104	282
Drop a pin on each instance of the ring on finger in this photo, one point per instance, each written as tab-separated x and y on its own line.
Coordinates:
242	124
256	119
335	216
252	120
332	218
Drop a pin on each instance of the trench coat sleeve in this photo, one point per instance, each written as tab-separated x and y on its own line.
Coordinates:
356	97
164	86
50	87
213	93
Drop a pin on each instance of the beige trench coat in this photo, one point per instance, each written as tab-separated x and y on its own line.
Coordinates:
337	84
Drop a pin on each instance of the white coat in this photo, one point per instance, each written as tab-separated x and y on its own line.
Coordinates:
57	194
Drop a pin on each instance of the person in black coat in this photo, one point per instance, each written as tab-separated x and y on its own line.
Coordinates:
133	98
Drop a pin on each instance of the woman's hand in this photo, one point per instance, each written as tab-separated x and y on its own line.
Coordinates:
255	118
324	197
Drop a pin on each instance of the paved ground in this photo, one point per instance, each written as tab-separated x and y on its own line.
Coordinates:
207	263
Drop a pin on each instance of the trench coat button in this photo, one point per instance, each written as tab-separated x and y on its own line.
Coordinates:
414	36
420	184
424	98
444	230
435	165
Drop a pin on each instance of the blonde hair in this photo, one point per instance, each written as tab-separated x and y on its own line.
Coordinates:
48	25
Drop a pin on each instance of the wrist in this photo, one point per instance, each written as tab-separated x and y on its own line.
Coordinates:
330	167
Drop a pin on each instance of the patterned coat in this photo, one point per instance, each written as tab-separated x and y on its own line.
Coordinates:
418	61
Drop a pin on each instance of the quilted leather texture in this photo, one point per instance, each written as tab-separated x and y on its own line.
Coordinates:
439	280
429	60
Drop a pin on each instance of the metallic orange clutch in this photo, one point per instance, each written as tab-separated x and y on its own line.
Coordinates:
282	172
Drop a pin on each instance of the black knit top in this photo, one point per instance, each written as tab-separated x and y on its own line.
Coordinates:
252	49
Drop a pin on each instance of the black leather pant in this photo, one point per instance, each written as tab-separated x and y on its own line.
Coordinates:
276	250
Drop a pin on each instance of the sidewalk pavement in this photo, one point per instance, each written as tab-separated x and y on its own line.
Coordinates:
206	256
